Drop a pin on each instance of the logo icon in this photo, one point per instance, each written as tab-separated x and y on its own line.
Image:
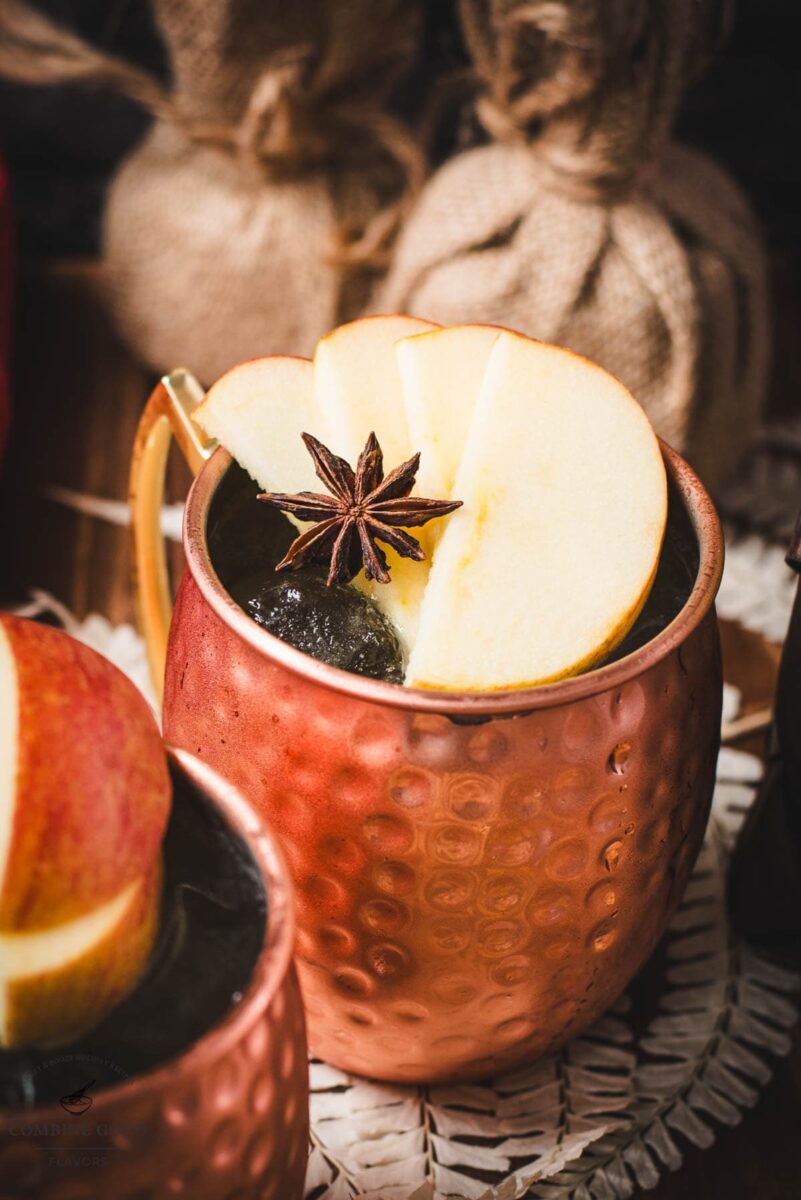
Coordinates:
78	1102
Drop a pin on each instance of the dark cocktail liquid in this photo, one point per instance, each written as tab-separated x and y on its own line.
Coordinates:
246	539
212	927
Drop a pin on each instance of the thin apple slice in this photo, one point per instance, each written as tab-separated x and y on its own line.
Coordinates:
358	389
550	560
441	374
258	411
358	386
56	983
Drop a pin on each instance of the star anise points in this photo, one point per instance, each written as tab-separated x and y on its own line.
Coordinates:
364	507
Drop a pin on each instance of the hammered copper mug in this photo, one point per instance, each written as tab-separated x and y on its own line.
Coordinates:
228	1116
478	876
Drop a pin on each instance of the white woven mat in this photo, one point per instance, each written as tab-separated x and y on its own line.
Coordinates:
610	1112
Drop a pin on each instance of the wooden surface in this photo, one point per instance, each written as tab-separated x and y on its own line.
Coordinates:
77	396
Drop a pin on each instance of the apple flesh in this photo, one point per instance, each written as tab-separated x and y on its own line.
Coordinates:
258	411
58	983
358	385
84	801
549	561
441	375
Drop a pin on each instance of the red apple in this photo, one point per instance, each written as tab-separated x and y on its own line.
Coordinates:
6	260
84	801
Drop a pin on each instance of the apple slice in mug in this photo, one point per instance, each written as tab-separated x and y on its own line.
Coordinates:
84	801
546	566
358	386
441	373
258	411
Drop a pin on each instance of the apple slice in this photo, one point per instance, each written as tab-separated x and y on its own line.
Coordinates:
84	801
550	560
441	374
59	982
258	411
358	387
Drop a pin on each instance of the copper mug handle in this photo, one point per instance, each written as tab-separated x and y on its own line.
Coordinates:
167	414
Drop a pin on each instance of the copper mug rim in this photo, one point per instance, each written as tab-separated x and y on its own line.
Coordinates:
706	527
271	966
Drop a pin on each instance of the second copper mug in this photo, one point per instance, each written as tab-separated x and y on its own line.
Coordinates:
469	895
226	1117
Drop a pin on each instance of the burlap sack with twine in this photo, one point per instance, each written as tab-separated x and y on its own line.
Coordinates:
583	224
248	220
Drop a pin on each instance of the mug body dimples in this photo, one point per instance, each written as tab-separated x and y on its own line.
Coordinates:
470	891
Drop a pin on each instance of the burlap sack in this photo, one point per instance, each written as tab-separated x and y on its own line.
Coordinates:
273	178
208	267
581	223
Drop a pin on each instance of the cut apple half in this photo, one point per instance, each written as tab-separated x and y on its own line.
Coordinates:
549	561
84	801
84	786
358	387
258	411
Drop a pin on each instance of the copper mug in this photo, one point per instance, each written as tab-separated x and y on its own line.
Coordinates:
228	1117
469	894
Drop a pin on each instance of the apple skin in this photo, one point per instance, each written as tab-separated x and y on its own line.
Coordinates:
84	802
92	794
56	1007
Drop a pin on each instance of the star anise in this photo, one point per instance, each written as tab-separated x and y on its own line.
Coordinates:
363	509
